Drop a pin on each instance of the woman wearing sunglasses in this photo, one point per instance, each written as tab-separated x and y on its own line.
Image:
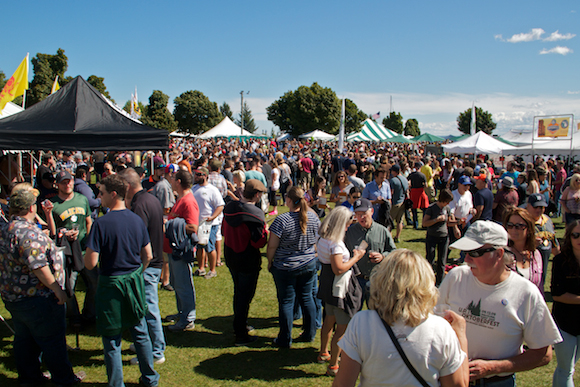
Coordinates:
522	244
566	311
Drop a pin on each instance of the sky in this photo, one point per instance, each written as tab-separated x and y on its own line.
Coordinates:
516	59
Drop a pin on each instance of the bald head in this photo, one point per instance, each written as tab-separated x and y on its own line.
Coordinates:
132	178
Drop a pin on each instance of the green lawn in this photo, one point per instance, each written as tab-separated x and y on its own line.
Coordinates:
207	356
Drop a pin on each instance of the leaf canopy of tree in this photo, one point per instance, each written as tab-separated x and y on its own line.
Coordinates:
226	111
483	121
394	121
412	128
249	123
156	113
353	117
195	113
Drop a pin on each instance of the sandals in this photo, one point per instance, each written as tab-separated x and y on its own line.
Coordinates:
323	357
332	370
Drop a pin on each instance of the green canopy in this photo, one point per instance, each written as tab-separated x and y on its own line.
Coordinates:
459	138
426	137
401	139
505	141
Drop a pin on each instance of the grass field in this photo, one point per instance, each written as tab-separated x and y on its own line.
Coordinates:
207	356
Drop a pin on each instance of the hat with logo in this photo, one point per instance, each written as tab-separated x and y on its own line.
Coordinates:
480	233
465	180
537	200
202	170
362	205
172	168
62	176
23	199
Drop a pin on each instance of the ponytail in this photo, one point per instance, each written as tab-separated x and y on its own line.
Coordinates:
296	195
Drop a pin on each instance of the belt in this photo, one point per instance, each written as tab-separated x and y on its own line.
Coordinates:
490	381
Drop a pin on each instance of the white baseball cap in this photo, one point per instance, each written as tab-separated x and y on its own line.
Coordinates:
480	233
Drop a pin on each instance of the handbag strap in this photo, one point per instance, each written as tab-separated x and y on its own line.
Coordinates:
403	356
403	186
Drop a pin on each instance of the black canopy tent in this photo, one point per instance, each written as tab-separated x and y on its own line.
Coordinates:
78	117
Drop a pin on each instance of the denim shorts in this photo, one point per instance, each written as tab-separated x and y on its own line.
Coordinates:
212	238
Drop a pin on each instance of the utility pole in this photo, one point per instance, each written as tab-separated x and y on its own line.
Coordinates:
242	110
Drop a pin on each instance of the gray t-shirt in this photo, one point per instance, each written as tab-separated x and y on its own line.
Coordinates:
439	229
399	186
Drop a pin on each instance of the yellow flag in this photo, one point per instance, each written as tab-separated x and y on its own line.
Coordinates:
16	85
55	86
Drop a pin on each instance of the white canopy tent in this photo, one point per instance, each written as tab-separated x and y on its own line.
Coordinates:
10	109
567	147
284	137
478	143
318	135
226	128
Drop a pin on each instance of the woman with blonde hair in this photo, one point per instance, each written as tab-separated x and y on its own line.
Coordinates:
570	199
402	298
292	260
338	272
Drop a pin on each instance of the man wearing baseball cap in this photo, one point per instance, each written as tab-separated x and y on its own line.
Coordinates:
379	240
545	230
245	232
502	309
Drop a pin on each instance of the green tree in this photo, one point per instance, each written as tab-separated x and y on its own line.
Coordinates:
412	128
127	107
483	121
46	68
249	123
99	84
306	109
226	111
394	122
195	113
156	113
353	117
2	79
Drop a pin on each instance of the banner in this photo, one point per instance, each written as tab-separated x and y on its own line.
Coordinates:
16	85
553	126
55	86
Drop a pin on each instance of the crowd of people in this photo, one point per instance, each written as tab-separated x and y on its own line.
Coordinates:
131	224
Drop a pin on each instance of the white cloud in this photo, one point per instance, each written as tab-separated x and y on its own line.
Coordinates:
499	37
534	34
573	92
557	50
555	36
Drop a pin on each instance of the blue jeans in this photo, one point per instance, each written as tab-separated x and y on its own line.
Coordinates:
567	355
40	327
244	290
510	382
151	276
365	285
292	284
182	281
114	362
317	301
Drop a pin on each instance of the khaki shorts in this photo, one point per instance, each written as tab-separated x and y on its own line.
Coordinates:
430	191
397	212
342	318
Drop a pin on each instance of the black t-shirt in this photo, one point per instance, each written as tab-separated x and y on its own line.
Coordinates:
439	229
417	180
118	237
484	197
148	207
566	279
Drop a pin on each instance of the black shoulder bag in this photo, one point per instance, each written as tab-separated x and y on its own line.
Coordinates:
403	356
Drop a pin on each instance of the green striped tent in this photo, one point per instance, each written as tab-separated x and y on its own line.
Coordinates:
371	131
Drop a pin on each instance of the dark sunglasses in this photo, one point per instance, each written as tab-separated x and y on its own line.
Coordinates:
575	235
479	252
356	197
517	226
200	174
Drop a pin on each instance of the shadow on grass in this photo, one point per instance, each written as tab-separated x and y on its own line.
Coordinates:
267	365
417	240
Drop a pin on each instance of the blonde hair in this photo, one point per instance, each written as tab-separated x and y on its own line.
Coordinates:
333	226
240	174
575	181
403	288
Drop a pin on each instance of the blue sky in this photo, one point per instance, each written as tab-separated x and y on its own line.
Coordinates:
515	59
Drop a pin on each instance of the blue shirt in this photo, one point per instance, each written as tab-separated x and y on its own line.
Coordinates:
372	191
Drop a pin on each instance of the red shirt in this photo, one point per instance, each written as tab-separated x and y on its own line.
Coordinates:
186	207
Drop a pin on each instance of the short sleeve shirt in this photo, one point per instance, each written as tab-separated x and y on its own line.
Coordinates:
296	249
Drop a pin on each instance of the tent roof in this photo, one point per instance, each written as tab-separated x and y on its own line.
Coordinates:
478	143
318	135
371	131
562	147
78	117
428	138
226	128
10	109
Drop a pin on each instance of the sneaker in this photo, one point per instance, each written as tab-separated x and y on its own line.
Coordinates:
199	273
171	319
211	274
135	361
167	287
181	328
273	213
242	341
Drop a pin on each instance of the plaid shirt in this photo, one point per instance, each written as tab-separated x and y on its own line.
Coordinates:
219	182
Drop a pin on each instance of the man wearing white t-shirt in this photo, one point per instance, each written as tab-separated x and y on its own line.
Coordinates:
462	208
502	309
211	204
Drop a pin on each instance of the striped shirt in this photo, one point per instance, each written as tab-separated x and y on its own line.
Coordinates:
295	249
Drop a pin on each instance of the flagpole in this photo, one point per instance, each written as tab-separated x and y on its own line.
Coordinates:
341	130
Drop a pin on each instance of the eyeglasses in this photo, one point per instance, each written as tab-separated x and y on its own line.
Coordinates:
479	252
517	226
575	235
200	174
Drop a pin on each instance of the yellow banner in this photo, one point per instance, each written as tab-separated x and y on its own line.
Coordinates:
16	85
554	127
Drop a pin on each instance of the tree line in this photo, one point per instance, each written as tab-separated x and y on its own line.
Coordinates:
296	112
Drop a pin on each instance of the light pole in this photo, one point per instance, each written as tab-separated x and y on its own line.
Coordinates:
242	110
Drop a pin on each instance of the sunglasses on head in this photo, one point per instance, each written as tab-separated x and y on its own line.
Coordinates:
479	252
575	235
517	226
